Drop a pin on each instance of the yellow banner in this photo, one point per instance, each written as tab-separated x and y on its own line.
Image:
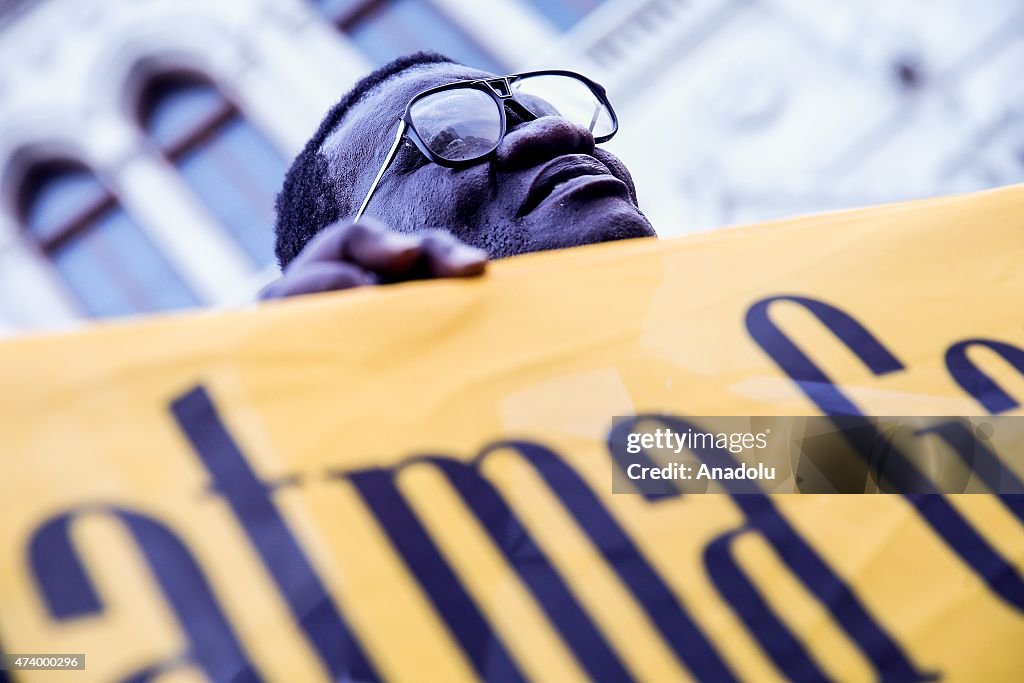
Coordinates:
414	482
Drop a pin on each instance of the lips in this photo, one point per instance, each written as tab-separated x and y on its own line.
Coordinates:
557	172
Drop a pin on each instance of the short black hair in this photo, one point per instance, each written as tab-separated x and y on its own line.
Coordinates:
309	199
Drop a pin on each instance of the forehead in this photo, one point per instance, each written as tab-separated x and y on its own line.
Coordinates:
372	120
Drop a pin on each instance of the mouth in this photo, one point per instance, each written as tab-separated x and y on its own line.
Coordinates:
567	174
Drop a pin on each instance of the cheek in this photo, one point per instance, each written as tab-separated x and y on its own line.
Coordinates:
470	191
463	202
412	202
456	200
477	207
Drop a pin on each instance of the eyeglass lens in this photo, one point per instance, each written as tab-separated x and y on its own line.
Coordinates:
459	124
463	124
570	98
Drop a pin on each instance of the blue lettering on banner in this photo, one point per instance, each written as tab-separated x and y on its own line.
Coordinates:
841	601
975	382
68	592
970	546
250	500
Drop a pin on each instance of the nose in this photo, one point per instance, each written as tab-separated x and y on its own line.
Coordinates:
536	141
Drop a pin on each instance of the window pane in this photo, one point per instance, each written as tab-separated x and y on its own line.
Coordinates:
223	158
56	197
176	108
399	27
335	9
113	269
237	174
566	13
105	259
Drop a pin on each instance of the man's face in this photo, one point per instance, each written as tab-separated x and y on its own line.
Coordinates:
546	187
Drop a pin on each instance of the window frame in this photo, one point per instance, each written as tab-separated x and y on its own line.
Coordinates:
86	223
202	130
80	222
346	19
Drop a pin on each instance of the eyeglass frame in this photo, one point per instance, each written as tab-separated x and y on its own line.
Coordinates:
486	85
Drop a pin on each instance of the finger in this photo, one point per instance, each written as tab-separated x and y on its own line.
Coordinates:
325	246
382	251
329	245
448	257
319	277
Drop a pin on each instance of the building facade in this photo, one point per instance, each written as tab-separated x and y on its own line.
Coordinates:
142	143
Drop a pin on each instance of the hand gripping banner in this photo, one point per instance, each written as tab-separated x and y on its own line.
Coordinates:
415	482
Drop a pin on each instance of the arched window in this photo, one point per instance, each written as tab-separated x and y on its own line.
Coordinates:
566	13
385	29
229	165
105	259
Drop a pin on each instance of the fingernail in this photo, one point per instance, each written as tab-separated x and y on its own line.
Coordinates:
395	241
467	259
467	253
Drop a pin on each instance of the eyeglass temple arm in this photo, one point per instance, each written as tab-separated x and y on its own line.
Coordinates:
597	112
392	153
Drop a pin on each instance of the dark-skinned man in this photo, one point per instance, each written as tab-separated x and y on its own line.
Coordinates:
428	168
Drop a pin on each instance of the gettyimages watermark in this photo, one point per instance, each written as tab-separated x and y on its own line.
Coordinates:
667	454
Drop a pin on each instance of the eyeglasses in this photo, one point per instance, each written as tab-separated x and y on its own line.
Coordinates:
461	123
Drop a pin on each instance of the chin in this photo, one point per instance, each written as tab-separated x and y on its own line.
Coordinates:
609	223
597	220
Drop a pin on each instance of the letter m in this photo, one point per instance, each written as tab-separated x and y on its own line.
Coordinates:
482	645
